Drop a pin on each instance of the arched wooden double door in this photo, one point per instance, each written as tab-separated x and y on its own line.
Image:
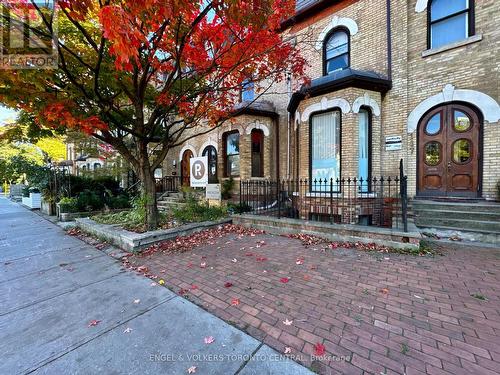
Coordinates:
449	152
185	165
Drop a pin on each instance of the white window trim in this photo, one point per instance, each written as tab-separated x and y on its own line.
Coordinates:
335	22
325	104
472	39
366	101
259	126
486	104
187	147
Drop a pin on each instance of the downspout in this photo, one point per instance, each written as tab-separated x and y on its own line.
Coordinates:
289	117
389	41
277	126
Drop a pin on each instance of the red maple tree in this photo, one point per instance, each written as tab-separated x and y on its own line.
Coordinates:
151	74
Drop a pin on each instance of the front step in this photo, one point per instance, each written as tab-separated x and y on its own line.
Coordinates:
479	219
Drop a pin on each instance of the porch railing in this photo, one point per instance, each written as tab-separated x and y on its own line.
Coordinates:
168	184
378	201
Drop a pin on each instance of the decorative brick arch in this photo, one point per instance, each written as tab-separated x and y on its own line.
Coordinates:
366	101
208	143
258	125
187	147
486	104
335	22
325	104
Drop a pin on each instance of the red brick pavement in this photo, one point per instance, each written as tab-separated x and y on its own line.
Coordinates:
374	313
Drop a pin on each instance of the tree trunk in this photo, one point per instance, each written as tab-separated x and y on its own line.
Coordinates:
149	191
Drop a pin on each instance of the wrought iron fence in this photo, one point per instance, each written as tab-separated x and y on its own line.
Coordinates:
168	184
378	201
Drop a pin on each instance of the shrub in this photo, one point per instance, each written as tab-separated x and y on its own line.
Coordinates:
68	205
239	208
195	211
89	200
118	202
227	188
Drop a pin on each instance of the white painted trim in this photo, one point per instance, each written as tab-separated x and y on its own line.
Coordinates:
486	104
206	144
324	105
421	5
366	101
258	125
187	147
337	21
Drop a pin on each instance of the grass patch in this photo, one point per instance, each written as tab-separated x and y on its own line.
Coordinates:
479	297
195	211
404	349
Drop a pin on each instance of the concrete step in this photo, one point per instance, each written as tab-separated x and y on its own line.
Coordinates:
459	224
452	214
489	207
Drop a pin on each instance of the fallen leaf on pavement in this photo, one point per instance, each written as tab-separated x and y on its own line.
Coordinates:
319	349
307	277
193	287
384	291
161	282
288	350
234	260
228	284
191	370
287	322
235	302
209	340
284	280
203	265
137	301
93	323
127	330
299	261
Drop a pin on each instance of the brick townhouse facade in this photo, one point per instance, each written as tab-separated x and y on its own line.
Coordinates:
416	80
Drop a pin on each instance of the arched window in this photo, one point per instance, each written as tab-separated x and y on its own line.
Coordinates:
449	21
211	153
336	51
97	165
232	154
257	153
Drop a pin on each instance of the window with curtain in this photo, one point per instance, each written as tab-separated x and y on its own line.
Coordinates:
325	149
336	52
232	153
364	149
449	21
211	153
257	137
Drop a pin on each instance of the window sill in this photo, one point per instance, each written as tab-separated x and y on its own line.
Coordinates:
447	47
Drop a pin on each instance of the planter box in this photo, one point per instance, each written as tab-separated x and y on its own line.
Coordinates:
71	216
48	208
34	201
135	242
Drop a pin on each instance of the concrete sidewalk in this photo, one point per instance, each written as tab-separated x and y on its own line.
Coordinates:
52	286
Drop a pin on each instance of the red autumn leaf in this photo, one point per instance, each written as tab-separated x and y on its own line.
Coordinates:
228	284
319	349
261	259
183	291
284	280
307	277
384	291
193	287
235	302
249	254
93	323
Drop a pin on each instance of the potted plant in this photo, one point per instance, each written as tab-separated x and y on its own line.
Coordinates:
66	208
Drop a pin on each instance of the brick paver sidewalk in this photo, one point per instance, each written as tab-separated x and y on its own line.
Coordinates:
373	312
